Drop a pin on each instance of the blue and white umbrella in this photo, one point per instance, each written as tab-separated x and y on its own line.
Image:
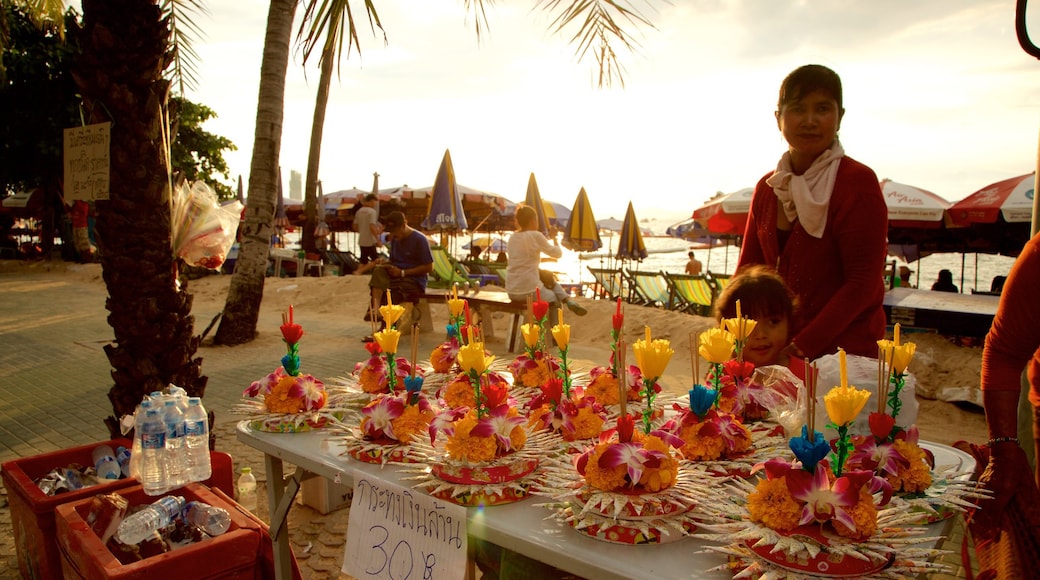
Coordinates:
445	209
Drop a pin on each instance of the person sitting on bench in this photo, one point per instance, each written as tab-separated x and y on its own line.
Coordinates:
406	272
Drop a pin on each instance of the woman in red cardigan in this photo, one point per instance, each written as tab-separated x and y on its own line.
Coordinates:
820	219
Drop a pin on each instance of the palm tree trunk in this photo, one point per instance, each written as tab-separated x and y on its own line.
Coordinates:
125	49
321	102
242	308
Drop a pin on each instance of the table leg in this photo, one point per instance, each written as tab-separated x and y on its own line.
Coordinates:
279	531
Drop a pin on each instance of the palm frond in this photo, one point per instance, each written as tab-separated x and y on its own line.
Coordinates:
329	22
480	22
184	30
599	22
46	14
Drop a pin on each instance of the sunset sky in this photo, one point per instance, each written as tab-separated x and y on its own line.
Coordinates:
938	94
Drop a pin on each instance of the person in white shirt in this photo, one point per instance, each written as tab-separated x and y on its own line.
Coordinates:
525	250
366	222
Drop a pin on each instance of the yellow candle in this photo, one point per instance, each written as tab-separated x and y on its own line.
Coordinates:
455	291
389	301
647	328
896	334
559	316
844	371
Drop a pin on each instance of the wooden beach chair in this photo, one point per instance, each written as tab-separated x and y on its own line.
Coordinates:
691	293
649	288
609	283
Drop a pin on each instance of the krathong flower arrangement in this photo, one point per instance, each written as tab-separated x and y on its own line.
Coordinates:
443	356
384	372
484	454
814	516
604	385
287	400
894	453
535	366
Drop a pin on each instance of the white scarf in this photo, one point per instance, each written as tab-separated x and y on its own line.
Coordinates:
806	197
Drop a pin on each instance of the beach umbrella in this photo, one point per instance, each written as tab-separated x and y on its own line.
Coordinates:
496	244
444	211
611	223
726	213
581	233
241	191
1010	200
912	207
631	245
534	199
281	218
321	229
556	213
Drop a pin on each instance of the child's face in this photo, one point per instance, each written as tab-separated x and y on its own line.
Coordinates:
767	340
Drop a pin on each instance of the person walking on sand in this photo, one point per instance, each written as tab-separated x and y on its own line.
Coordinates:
525	249
366	222
694	266
820	219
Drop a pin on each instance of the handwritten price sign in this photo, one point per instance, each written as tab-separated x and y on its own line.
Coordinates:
87	162
397	534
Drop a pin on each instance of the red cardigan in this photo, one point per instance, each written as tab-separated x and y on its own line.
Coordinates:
1014	338
837	278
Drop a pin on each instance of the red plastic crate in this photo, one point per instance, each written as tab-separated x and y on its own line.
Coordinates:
32	511
233	554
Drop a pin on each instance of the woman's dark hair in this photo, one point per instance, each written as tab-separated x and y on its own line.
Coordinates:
945	276
806	79
761	291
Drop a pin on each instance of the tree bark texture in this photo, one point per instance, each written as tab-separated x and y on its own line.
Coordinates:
242	308
125	50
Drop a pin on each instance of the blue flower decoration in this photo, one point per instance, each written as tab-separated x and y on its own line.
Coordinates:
810	453
413	384
702	399
291	364
453	331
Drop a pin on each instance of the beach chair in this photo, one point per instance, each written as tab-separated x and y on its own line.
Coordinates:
448	271
609	283
649	288
691	293
718	282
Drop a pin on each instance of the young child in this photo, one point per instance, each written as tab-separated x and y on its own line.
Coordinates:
765	299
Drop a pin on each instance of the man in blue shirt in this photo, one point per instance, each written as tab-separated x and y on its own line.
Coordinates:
406	272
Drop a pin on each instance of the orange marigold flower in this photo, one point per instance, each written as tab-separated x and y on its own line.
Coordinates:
518	436
604	388
462	447
604	478
533	376
459	392
864	514
655	479
587	424
772	505
411	423
279	400
915	478
697	448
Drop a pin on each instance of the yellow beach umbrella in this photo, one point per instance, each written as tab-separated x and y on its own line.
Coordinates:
581	233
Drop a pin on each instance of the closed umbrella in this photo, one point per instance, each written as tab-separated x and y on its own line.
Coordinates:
631	245
241	191
534	199
582	233
444	212
281	219
321	229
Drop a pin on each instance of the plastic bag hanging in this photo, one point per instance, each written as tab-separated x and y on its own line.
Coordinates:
203	230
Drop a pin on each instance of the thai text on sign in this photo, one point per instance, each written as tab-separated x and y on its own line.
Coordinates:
87	162
395	533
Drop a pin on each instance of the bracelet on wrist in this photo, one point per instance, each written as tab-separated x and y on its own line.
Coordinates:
996	440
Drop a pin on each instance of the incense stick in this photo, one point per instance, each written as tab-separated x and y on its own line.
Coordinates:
880	372
415	347
694	362
622	378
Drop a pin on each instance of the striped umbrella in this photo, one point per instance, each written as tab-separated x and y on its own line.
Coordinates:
631	245
581	233
281	220
444	212
534	199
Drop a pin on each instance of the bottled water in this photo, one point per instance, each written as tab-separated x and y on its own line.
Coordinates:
123	459
212	520
140	525
135	449
196	439
176	453
153	452
247	489
105	463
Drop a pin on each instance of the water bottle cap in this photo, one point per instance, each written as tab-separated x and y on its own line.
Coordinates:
152	413
247	470
194	401
146	403
170	403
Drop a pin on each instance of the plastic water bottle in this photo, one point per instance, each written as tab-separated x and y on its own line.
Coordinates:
212	520
196	439
153	453
123	459
135	449
105	462
140	525
176	453
247	489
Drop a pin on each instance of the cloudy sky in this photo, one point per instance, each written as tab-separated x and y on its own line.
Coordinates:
938	94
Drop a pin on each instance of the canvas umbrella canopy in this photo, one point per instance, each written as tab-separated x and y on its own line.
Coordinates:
556	213
581	233
534	199
912	207
611	223
631	245
1010	200
726	214
321	229
281	217
444	211
241	191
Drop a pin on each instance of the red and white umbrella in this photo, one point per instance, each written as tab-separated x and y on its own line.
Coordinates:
912	207
727	214
1010	200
